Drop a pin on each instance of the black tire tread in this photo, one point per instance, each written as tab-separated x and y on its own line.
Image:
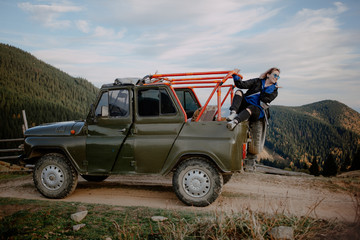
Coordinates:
217	181
226	178
60	160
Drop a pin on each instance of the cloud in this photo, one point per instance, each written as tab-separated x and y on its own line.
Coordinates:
208	34
48	15
317	57
139	37
60	56
164	12
108	33
340	7
83	26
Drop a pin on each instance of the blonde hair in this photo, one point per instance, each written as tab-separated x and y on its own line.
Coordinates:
263	76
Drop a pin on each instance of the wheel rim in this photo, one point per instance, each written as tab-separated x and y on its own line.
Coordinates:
196	183
52	177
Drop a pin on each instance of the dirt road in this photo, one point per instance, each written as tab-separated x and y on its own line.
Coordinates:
296	195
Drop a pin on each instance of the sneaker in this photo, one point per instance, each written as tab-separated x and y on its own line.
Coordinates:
232	124
232	115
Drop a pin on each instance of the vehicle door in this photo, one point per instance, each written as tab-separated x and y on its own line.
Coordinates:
158	120
109	128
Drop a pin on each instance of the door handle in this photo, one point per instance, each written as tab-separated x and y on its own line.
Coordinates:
122	130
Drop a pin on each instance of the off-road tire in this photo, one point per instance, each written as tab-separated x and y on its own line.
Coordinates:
197	182
92	178
258	134
54	176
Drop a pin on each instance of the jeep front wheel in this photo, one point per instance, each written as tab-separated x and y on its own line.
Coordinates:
197	182
54	176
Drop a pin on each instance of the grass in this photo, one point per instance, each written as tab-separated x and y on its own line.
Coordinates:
347	184
13	175
35	219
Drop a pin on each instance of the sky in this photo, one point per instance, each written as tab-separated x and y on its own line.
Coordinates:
315	43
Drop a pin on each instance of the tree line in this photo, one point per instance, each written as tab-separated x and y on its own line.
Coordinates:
312	135
47	94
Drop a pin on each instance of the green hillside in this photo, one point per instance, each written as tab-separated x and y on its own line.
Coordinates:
44	92
334	113
300	134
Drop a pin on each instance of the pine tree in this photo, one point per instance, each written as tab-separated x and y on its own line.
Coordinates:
330	167
314	168
355	165
346	164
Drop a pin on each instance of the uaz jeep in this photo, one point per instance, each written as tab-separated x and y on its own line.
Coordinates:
146	127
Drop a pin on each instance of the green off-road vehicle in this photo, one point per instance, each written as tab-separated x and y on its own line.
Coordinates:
147	128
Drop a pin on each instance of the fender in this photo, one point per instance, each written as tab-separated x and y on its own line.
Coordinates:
211	140
72	147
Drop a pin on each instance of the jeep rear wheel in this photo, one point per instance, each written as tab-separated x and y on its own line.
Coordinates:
226	178
197	182
54	176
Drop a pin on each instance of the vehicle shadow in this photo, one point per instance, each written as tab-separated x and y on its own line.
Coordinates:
125	185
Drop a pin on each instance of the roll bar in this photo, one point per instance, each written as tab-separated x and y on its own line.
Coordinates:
213	79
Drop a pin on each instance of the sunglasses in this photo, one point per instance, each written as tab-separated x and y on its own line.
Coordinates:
276	76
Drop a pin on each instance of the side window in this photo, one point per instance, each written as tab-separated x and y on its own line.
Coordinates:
119	103
167	105
102	107
114	103
188	101
190	104
155	102
181	97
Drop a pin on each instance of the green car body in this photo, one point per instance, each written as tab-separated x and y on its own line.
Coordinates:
139	129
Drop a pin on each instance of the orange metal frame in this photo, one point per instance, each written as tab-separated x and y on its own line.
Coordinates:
202	80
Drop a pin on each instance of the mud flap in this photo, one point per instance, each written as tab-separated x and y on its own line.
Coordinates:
250	163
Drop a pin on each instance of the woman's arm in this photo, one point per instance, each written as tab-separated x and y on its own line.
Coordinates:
268	97
243	84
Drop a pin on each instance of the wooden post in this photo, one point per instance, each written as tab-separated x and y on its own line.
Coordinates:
25	121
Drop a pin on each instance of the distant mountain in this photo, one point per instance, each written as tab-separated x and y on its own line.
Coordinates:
299	134
334	113
46	94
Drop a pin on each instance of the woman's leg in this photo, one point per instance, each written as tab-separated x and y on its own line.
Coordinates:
235	105
250	112
255	113
243	115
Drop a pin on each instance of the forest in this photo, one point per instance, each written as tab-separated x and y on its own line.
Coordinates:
46	93
313	132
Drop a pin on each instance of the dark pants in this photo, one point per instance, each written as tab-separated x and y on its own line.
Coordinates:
239	105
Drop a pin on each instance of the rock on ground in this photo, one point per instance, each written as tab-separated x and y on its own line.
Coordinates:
78	227
282	232
77	217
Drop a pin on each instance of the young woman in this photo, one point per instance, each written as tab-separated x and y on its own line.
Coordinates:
251	105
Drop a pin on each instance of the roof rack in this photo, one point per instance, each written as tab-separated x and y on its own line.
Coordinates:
212	79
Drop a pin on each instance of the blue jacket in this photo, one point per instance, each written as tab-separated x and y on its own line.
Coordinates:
257	91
